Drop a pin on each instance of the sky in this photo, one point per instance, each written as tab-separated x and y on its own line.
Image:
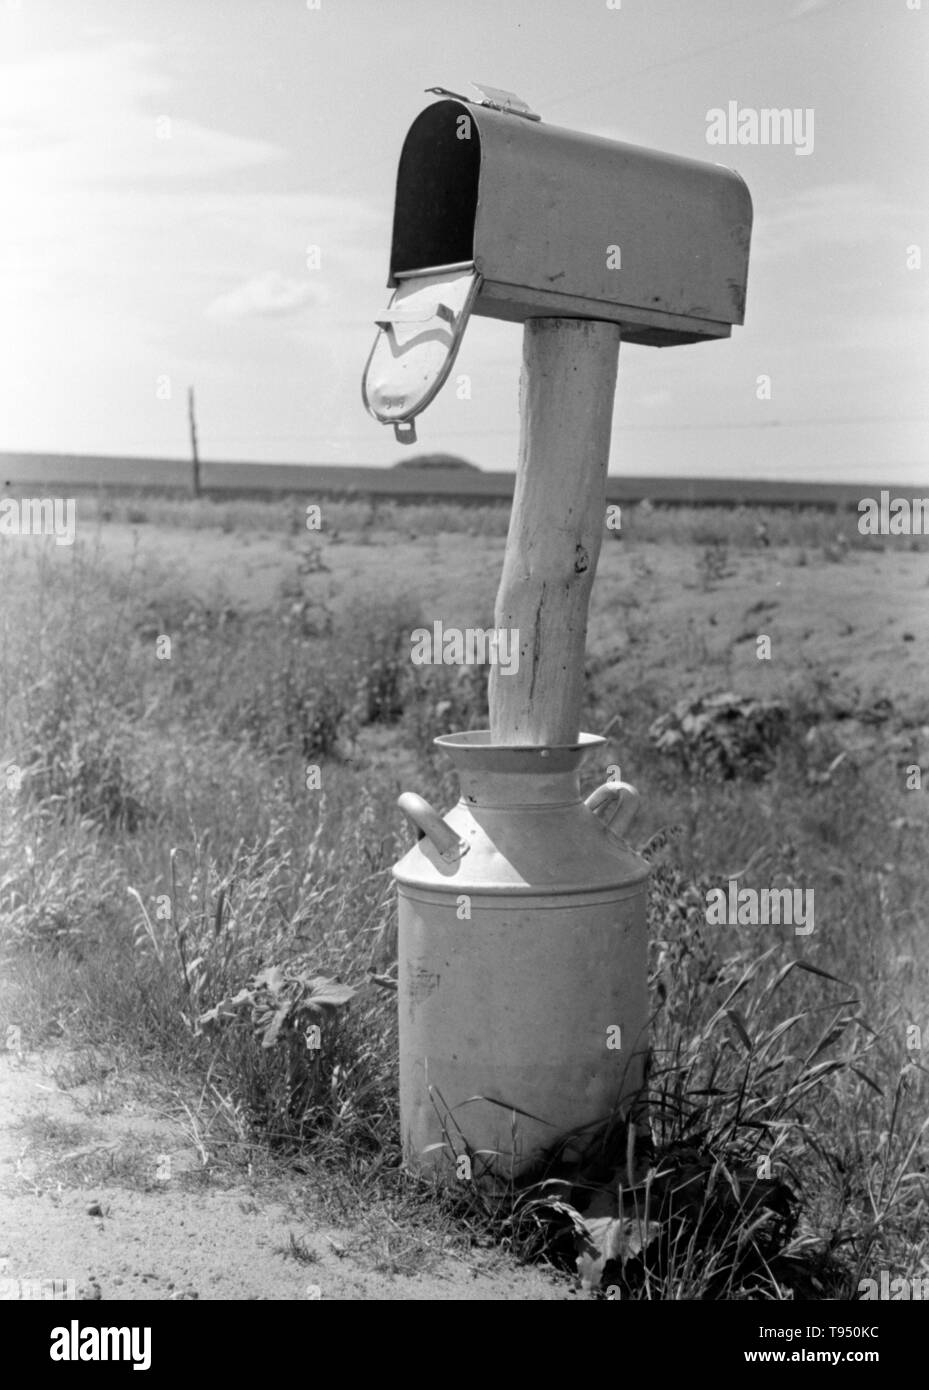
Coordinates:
165	166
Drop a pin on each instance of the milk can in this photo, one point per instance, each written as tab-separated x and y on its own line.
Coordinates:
522	957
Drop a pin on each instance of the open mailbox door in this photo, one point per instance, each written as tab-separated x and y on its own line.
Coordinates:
418	338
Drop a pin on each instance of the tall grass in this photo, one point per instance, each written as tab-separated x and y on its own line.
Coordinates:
829	531
194	864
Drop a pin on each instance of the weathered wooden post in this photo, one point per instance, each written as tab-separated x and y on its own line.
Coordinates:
556	526
522	985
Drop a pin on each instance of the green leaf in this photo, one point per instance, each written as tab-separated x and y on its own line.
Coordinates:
329	994
272	977
226	1007
735	1018
273	1029
815	970
870	1081
611	1238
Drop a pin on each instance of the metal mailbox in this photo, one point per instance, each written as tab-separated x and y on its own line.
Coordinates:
499	214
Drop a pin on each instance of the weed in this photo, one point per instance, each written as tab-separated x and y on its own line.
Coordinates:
173	888
298	1250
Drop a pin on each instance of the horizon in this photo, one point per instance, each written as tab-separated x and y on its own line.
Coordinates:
461	466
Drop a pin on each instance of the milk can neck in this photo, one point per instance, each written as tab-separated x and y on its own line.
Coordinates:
498	789
502	775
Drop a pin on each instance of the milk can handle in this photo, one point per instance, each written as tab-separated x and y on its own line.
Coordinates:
429	823
615	804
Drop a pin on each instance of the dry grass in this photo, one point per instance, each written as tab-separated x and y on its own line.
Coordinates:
823	529
163	851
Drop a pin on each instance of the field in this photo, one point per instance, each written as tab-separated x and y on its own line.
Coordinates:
167	684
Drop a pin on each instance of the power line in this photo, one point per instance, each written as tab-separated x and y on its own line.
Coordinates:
812	421
510	432
673	62
747	34
820	421
815	422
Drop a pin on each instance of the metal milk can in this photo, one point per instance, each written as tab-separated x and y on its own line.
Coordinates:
522	957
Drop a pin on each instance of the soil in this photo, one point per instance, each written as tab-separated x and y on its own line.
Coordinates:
862	622
101	1185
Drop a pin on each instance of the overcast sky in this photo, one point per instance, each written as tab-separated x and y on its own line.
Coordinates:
165	164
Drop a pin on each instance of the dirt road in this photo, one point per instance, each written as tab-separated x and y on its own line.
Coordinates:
101	1185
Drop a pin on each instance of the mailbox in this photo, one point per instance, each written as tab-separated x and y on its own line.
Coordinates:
502	215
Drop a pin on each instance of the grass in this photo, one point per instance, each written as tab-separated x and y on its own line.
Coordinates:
194	877
298	1250
830	531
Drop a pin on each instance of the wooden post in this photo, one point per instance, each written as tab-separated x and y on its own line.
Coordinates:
195	457
556	527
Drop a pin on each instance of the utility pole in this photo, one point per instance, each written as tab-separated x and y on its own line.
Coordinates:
195	457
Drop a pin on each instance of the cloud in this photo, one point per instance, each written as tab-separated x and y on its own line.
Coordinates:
136	251
268	294
123	223
110	121
808	7
852	215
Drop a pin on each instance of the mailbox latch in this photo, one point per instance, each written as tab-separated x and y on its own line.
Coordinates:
496	98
